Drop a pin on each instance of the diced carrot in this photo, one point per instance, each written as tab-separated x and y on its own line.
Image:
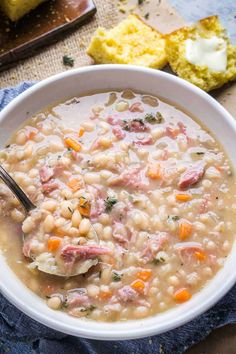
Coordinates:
183	197
84	207
81	132
185	229
75	184
182	295
138	285
154	171
200	255
172	132
73	144
48	290
144	274
104	295
54	244
32	134
219	168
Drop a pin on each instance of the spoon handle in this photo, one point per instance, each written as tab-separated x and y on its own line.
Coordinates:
16	190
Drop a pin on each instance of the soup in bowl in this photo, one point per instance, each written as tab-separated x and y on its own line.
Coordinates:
131	188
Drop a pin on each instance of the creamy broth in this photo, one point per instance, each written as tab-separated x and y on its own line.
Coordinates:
156	187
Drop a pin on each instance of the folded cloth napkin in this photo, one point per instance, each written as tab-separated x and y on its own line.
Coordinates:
20	334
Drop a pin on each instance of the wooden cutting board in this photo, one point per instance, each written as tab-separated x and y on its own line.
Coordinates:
40	27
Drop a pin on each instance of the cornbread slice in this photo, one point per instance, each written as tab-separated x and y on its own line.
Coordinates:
131	42
16	9
211	37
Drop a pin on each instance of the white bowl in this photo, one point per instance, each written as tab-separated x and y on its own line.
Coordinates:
106	77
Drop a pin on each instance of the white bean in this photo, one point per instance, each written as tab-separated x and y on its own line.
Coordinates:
76	218
104	219
107	233
21	138
31	189
93	290
28	225
141	311
66	209
84	227
173	280
92	178
122	106
88	126
49	223
49	205
54	302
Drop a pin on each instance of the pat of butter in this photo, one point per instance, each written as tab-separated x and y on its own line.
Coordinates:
210	52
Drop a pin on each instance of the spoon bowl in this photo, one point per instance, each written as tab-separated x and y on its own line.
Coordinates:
82	266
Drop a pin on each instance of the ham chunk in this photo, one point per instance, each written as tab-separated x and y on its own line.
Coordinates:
77	299
49	186
70	253
114	120
192	176
127	294
134	178
154	245
118	132
135	126
136	107
120	233
45	173
145	141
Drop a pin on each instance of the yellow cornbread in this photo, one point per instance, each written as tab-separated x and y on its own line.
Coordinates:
130	42
15	9
201	76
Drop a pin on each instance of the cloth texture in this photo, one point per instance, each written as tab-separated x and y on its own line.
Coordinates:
20	334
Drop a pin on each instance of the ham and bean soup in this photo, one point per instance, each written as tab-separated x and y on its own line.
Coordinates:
131	192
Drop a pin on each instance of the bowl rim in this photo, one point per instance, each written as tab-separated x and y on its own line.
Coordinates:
140	332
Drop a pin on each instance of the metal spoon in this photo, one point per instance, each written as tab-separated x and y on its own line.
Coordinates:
28	206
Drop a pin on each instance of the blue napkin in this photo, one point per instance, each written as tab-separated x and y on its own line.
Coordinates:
20	334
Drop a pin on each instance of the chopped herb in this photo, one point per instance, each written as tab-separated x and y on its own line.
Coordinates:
88	309
150	118
159	117
7	146
116	276
69	149
158	260
71	210
109	203
68	61
200	153
91	308
83	202
173	217
83	309
126	125
140	2
59	157
64	304
146	16
131	198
